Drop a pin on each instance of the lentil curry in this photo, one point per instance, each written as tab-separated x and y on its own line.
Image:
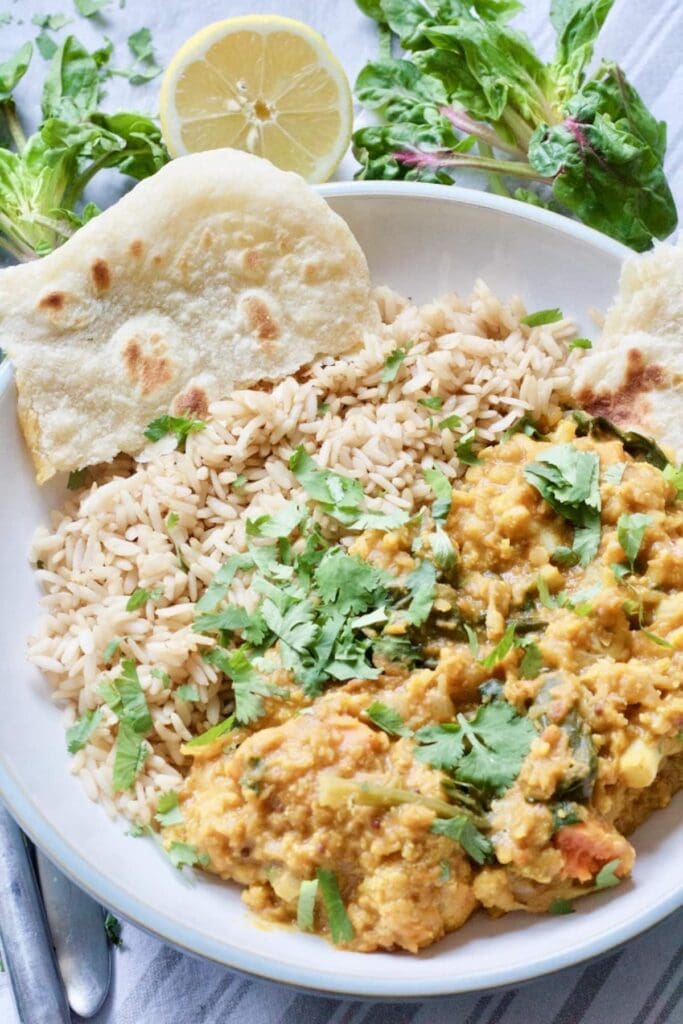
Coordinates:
506	710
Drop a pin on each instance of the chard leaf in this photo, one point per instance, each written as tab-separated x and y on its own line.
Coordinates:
72	86
13	70
395	88
674	474
577	24
89	8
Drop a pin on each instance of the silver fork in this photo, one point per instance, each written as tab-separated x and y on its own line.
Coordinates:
54	940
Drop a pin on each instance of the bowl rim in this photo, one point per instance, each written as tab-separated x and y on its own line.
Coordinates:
189	938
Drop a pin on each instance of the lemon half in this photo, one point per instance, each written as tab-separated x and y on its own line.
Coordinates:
262	83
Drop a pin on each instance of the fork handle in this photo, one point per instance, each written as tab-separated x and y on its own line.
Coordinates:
31	966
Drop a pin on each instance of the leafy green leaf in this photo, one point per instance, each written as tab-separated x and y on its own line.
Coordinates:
392	364
341	928
212	734
461	830
77	479
112	928
13	70
568	479
561	906
222	581
141	596
72	86
388	719
584	343
577	24
277	524
431	402
181	426
111	649
130	753
395	88
126	698
78	734
305	908
45	45
630	532
607	877
541	317
531	663
186	855
168	809
443	550
421	585
464	449
450	423
502	648
53	22
441	486
89	8
614	473
187	692
349	583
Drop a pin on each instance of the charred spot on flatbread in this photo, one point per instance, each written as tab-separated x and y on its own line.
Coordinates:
101	276
136	248
52	302
629	403
194	402
147	366
259	319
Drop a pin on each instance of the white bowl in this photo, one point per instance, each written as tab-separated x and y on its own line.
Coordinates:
422	240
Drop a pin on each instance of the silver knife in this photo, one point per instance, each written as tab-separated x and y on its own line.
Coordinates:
77	925
31	966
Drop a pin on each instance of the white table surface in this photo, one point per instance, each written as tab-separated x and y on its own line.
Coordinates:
641	983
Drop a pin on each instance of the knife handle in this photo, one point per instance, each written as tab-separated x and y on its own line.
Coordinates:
37	988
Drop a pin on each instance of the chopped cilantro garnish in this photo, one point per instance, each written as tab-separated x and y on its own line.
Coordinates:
567	479
172	520
561	906
131	752
421	585
443	550
112	928
659	640
182	854
392	364
443	492
485	750
388	719
614	473
212	734
524	425
472	640
323	407
142	596
464	451
674	474
239	482
220	584
450	422
444	871
111	649
565	557
305	908
162	674
187	692
502	648
431	402
584	343
248	684
168	809
542	317
461	830
607	877
532	662
279	524
181	426
630	532
78	734
77	479
565	813
350	583
341	928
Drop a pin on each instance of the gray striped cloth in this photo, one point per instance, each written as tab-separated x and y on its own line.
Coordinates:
641	983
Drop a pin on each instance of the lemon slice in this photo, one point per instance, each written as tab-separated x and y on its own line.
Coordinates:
264	84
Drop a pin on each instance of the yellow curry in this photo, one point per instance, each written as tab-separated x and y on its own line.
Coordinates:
505	739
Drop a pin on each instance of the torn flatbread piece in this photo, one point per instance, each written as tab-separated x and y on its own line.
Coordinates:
634	374
218	272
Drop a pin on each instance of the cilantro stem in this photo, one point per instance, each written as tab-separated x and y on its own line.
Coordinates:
334	791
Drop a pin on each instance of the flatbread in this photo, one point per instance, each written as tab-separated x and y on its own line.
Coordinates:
634	373
217	272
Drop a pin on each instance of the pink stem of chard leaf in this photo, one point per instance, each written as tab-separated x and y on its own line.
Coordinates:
576	129
447	158
464	123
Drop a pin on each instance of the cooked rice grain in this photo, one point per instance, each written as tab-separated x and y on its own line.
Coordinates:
488	368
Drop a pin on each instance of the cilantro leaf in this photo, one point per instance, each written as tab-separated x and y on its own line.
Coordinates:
212	734
185	854
485	751
614	473
162	674
531	663
181	426
542	317
561	906
277	524
388	719
142	596
111	649
461	830
340	493
463	448
630	532
187	692
450	422
130	753
349	583
568	479
168	809
524	425
77	479
502	648
431	402
584	343
248	685
221	582
305	908
443	550
392	364
78	734
230	619
441	486
421	585
341	928
126	698
674	475
607	877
